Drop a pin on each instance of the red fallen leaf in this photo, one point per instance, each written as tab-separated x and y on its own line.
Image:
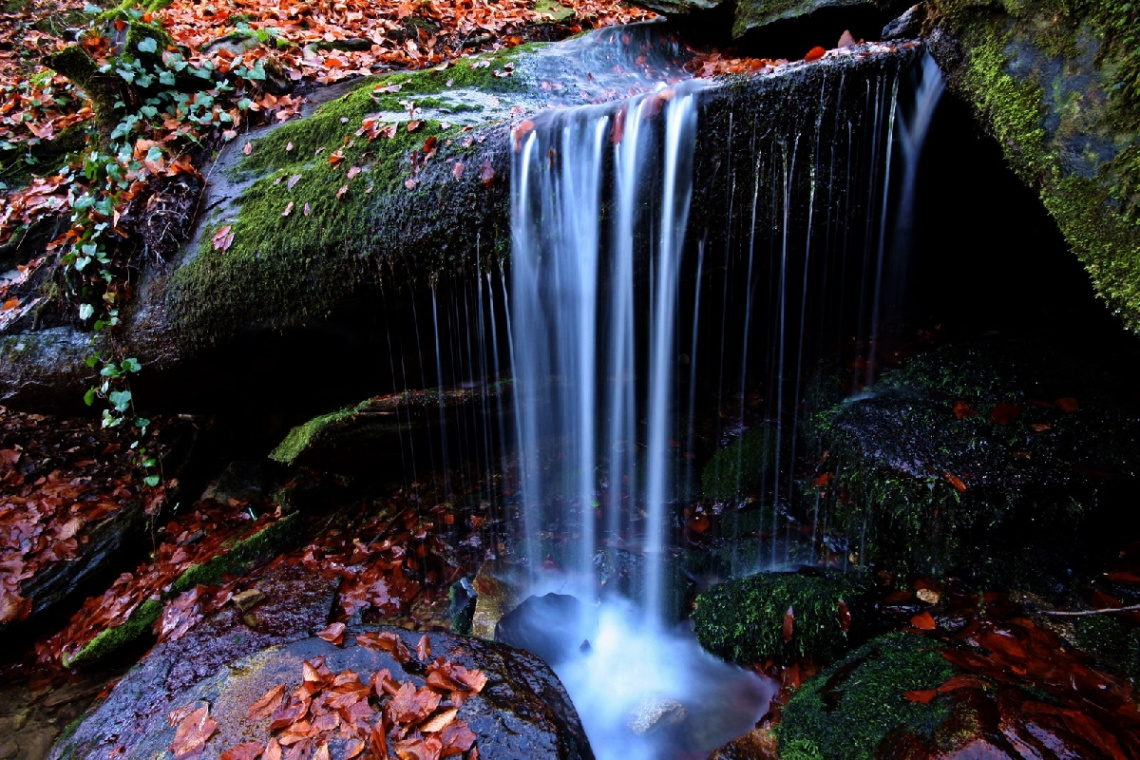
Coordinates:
354	748
962	681
963	410
844	615
920	696
10	304
955	481
386	641
1068	405
223	239
334	634
1123	576
1040	427
288	209
788	628
272	750
412	705
1003	414
423	648
247	148
193	733
791	678
1094	733
822	480
699	523
457	170
814	54
846	40
1003	644
336	157
340	193
268	703
246	751
923	621
457	738
429	146
412	126
415	748
322	753
618	131
487	175
522	130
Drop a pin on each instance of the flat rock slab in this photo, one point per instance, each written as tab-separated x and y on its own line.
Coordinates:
521	712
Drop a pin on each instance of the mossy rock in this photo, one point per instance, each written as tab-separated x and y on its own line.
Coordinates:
1055	83
740	467
743	621
988	460
850	709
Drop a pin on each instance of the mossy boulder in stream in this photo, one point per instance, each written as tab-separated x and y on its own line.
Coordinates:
747	621
990	460
741	466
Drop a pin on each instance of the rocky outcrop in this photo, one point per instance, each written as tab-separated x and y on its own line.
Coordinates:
520	711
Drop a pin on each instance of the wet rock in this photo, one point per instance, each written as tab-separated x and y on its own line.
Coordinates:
547	626
783	616
656	712
908	25
999	461
496	595
1056	88
522	711
759	744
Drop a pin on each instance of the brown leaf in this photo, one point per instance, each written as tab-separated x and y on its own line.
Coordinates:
963	410
268	703
814	54
334	634
340	193
846	40
193	733
288	209
955	481
438	721
336	156
353	171
1003	414
924	621
1068	405
457	170
487	175
788	629
921	696
843	615
412	126
247	148
223	239
423	648
244	751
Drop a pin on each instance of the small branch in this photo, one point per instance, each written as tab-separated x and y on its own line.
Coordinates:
1082	613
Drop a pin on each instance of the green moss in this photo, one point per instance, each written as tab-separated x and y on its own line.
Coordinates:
741	467
743	620
241	556
1058	84
111	640
847	711
1112	643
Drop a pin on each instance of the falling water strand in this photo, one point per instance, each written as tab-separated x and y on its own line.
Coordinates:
876	299
439	391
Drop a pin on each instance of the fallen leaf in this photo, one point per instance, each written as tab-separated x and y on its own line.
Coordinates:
788	628
921	696
843	615
846	40
955	481
814	54
288	209
334	634
307	209
423	648
293	181
10	304
1004	413
289	147
193	733
247	148
928	595
923	621
963	410
457	170
245	751
438	721
268	703
412	126
353	171
340	193
1068	405
223	239
487	175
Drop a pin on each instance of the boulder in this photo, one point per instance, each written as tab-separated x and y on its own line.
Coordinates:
292	256
520	711
1056	85
1001	461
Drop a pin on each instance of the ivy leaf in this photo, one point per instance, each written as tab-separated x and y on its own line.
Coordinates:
151	480
89	397
149	45
86	311
120	400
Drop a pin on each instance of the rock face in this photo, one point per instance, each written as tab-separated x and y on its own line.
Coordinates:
992	460
1056	86
351	226
521	711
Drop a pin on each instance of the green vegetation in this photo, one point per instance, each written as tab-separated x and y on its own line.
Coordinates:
241	555
987	460
847	711
111	640
740	467
1056	83
743	621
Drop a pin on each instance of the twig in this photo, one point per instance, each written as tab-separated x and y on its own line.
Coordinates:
1103	611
